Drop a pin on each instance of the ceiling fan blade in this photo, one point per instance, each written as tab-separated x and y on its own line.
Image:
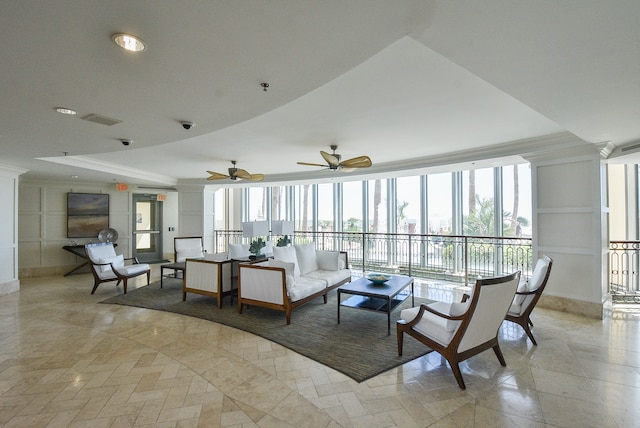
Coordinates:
216	175
359	162
255	177
343	169
331	159
241	173
311	164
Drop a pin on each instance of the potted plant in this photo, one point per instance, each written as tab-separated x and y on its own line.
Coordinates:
255	247
284	241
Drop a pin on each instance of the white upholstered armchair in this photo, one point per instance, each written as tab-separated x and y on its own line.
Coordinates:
458	331
528	294
107	266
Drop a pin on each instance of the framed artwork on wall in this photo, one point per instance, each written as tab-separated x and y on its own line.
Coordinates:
87	214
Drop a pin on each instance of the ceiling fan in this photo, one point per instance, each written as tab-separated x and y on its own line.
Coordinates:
235	173
334	163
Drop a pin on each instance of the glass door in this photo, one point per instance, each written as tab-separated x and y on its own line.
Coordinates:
147	228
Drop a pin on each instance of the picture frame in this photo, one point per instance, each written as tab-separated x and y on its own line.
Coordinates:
87	214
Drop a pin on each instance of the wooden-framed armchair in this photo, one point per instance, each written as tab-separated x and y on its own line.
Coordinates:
458	331
528	294
107	266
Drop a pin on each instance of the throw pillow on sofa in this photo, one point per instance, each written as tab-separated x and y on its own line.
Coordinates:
306	255
327	260
289	269
239	251
287	254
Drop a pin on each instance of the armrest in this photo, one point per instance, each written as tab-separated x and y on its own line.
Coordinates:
262	283
424	308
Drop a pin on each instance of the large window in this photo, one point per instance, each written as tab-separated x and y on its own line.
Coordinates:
325	207
257	203
408	204
439	196
465	199
516	197
377	206
303	195
219	209
478	204
352	206
278	203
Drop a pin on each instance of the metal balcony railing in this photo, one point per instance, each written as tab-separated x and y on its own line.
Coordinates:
451	258
624	279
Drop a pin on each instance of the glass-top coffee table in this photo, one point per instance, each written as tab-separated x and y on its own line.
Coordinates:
383	297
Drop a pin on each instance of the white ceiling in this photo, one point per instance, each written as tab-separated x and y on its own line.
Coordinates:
413	84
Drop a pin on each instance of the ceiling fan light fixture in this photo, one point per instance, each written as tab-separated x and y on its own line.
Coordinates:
129	42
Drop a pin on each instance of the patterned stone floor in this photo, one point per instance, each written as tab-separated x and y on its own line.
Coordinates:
67	361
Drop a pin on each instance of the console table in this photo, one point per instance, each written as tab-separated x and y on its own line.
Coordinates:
78	250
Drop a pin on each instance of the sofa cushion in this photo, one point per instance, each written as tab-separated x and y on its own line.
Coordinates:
117	261
327	260
306	255
287	266
287	254
305	287
239	251
331	277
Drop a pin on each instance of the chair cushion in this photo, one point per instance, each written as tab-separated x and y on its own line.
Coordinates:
327	260
239	251
306	255
437	328
190	252
117	261
287	254
523	287
132	270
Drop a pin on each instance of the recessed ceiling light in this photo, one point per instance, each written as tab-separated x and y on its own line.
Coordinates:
129	42
65	110
74	176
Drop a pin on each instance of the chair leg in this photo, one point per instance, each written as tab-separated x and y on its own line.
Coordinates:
527	330
124	282
498	353
148	276
455	368
95	286
400	335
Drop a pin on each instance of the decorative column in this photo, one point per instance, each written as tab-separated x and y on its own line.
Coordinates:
570	225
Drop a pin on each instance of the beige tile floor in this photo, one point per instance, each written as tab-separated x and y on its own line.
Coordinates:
66	360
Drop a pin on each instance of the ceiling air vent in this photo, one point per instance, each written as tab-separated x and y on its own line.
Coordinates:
631	147
102	120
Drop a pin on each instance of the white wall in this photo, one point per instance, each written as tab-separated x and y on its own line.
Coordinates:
9	281
42	224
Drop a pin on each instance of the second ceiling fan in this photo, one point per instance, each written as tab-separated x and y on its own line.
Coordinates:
334	161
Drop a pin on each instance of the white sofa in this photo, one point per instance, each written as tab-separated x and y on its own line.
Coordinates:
294	276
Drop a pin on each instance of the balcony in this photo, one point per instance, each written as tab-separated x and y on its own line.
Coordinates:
448	258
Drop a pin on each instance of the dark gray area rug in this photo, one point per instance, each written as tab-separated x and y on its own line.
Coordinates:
358	347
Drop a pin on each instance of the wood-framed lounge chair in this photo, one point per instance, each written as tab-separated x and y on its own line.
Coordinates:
528	294
458	331
107	266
